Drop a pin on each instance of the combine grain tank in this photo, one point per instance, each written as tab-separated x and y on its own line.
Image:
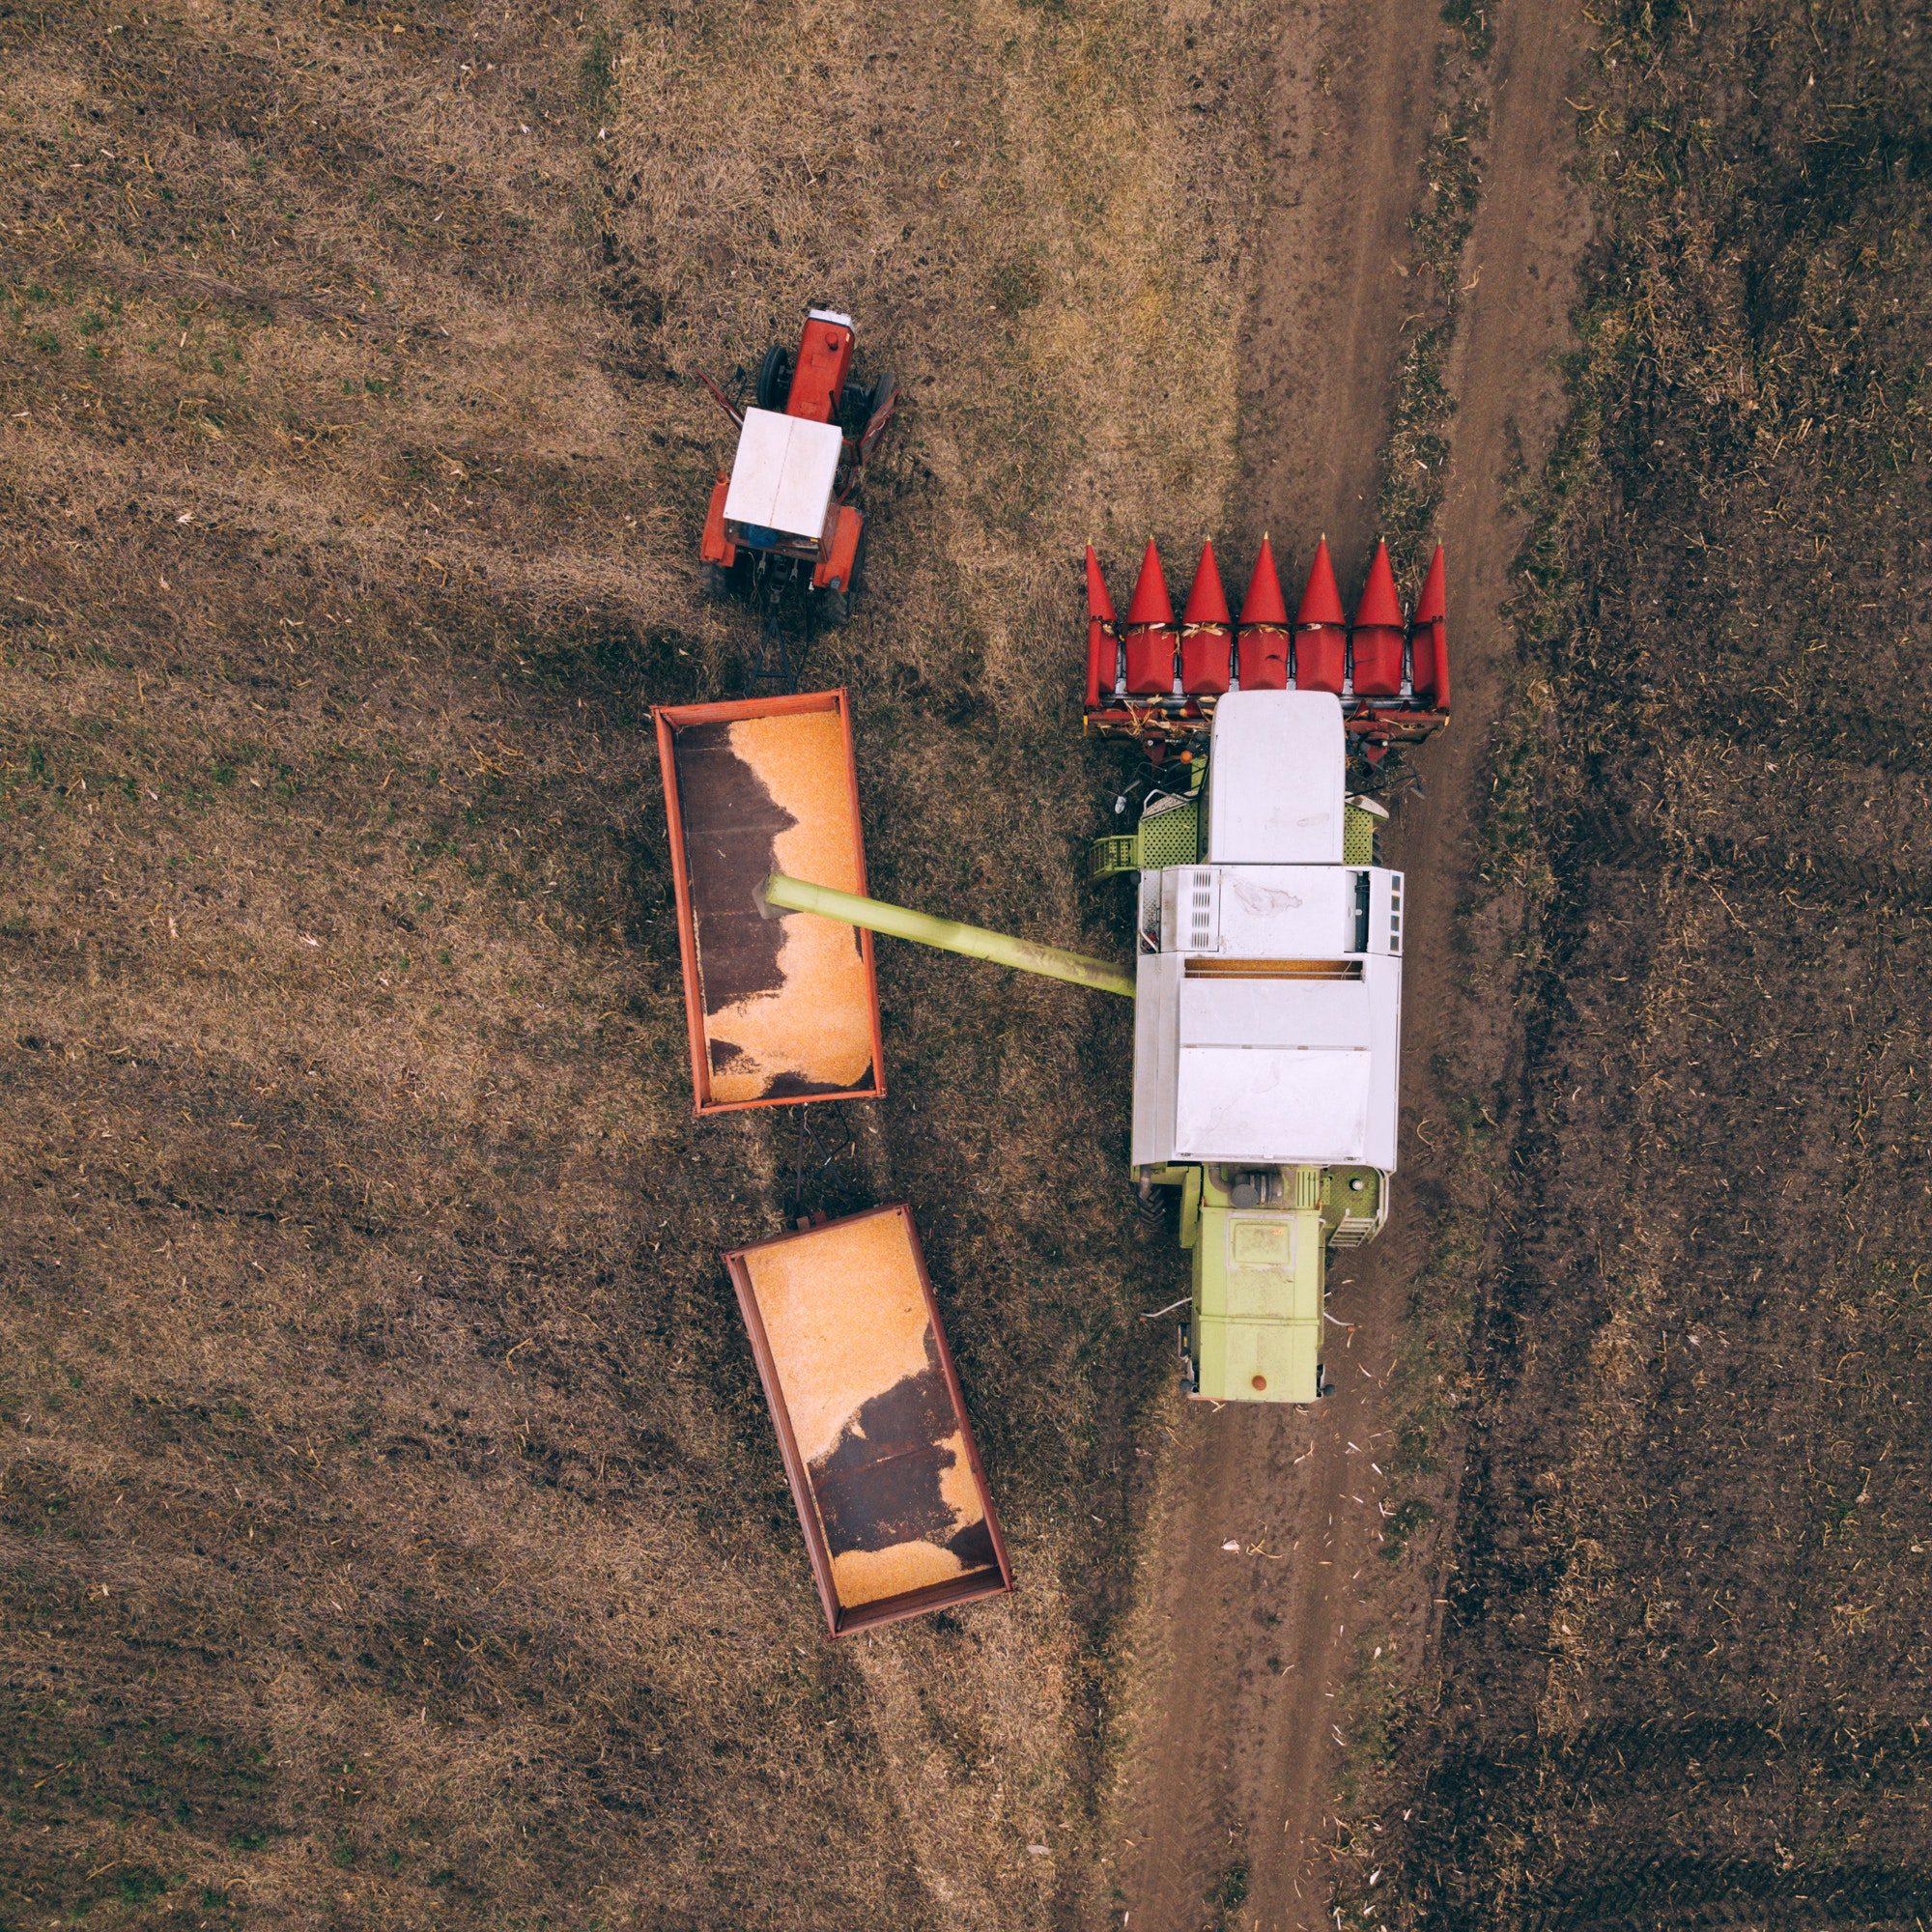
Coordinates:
870	1422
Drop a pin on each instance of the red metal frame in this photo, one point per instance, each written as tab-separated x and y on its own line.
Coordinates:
669	718
834	567
717	546
1182	724
914	1603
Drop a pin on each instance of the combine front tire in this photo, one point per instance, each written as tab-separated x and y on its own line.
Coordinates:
774	380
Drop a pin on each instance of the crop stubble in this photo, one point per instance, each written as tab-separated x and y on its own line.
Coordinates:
1684	1679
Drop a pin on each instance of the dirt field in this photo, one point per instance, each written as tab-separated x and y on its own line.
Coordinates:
393	1528
1682	1679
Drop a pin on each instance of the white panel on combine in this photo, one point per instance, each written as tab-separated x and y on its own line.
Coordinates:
1276	768
784	475
1256	1105
1288	912
1316	1019
1156	976
1267	1029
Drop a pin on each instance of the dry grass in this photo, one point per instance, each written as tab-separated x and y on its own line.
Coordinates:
393	1528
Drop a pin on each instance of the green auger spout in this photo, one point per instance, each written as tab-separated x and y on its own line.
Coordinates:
785	895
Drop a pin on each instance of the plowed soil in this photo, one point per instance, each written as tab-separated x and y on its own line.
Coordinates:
394	1532
391	1530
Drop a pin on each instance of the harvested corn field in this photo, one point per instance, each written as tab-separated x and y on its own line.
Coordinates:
395	1530
1684	1677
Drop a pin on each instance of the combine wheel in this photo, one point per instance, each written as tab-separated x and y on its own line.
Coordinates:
881	390
835	609
773	379
714	583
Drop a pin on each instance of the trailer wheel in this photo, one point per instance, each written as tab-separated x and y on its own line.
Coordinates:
773	379
714	583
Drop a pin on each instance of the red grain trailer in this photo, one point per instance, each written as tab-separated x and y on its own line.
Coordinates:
779	1011
870	1420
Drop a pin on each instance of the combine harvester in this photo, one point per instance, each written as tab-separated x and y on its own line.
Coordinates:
1267	981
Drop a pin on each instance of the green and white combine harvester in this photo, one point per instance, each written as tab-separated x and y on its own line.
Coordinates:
1268	993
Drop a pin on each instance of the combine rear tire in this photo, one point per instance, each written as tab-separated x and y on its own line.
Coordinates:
773	379
835	609
714	583
881	390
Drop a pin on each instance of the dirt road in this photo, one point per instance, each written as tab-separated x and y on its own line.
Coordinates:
1242	1653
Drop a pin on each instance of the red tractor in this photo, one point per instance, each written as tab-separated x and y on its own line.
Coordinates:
786	512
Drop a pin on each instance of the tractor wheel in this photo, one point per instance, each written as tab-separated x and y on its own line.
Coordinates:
773	379
834	608
714	583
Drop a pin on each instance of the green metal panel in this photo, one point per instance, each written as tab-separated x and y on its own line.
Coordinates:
1354	1204
1170	837
1358	836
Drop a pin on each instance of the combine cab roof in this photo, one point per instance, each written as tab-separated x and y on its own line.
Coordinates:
1275	779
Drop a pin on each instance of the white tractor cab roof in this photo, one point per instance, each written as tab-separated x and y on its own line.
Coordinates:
1268	1013
782	481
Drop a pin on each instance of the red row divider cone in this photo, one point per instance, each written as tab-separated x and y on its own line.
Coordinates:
1362	661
